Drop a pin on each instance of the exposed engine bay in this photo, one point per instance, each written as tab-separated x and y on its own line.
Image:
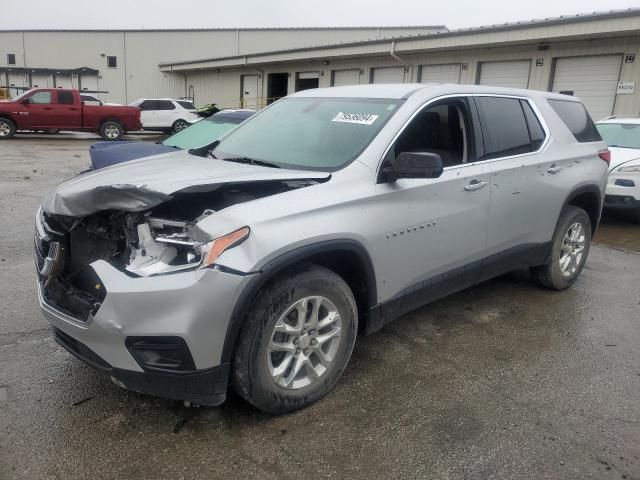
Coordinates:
159	240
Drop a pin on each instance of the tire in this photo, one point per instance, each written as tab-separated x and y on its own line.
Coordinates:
179	125
568	255
7	129
267	378
111	130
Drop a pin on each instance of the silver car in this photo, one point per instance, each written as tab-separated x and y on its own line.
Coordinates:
255	261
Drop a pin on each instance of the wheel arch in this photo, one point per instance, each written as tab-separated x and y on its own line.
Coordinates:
347	258
11	118
589	198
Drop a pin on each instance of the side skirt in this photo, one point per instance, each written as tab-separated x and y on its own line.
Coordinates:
445	284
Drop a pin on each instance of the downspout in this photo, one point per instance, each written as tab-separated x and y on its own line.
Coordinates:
393	52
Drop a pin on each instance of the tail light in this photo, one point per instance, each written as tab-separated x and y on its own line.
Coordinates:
605	155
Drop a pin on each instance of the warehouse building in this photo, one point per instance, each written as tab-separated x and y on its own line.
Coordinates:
592	56
124	65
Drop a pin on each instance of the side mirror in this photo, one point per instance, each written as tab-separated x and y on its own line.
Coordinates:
25	101
414	165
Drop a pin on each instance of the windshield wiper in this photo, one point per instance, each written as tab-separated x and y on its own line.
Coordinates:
251	161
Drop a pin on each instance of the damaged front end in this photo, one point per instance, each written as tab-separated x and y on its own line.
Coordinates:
160	240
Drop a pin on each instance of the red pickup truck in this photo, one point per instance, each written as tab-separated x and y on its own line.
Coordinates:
62	109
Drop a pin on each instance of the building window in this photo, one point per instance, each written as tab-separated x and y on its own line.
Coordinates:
112	62
11	58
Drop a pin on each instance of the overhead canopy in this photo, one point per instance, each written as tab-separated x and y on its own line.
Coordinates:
54	71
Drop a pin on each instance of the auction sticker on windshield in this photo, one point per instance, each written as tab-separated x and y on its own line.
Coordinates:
360	118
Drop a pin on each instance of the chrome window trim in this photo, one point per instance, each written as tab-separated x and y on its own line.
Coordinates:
531	103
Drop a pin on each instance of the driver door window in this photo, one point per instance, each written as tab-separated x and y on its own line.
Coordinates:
40	98
444	128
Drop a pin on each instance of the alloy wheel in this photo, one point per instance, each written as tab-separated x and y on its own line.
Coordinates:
572	249
304	342
5	129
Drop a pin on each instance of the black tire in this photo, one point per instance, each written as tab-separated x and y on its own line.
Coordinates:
179	125
7	128
550	275
250	375
111	130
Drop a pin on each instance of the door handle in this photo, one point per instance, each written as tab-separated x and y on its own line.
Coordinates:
47	108
73	109
475	185
554	168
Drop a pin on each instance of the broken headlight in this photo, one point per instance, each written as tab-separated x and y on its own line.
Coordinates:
166	246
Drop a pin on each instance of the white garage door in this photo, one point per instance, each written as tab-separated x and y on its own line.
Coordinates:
346	77
388	75
40	80
89	82
593	79
513	73
19	81
440	73
63	81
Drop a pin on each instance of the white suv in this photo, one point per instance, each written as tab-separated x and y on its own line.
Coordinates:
623	186
166	114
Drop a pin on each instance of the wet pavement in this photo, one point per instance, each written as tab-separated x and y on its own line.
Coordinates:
505	380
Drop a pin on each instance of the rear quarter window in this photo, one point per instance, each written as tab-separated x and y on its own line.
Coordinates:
187	105
577	119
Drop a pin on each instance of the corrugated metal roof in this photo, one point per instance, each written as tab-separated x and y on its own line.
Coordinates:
543	22
230	29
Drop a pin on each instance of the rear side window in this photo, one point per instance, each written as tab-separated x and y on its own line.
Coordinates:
504	127
148	105
65	97
536	131
576	118
187	105
165	105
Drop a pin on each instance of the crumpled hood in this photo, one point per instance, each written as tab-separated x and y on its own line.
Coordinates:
143	184
622	155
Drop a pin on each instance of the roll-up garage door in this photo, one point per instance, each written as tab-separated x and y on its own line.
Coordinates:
17	84
592	79
63	81
346	77
41	80
440	73
89	83
388	75
512	73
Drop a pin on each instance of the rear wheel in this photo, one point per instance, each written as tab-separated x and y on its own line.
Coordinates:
571	243
296	341
179	125
111	130
7	128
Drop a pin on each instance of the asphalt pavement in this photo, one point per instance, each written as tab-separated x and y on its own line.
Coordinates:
505	380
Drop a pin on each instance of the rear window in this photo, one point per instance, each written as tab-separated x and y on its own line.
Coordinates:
576	118
165	105
187	105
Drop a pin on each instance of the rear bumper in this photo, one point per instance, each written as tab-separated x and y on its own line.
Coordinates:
201	387
621	202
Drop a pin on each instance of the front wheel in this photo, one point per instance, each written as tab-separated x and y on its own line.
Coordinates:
296	341
7	128
179	125
111	130
570	248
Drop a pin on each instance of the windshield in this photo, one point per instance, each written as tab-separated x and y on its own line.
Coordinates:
199	134
309	133
625	135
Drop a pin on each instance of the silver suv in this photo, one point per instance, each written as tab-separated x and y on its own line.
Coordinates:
256	260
